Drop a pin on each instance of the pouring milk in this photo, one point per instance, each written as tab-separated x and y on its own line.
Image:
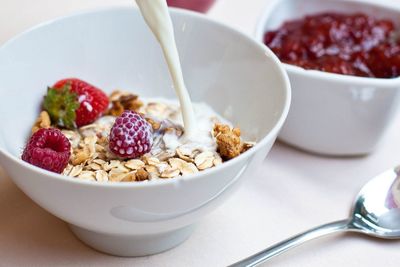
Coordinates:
156	15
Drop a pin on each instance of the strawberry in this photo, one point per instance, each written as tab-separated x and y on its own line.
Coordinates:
74	103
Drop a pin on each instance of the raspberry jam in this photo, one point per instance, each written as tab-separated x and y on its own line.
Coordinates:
356	44
196	5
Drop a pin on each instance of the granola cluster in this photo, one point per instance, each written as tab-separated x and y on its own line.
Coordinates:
121	101
229	143
92	160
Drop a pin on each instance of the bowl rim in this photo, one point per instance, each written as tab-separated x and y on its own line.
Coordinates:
367	81
186	178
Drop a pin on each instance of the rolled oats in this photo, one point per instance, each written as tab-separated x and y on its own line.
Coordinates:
142	175
110	165
67	170
134	164
120	168
99	161
117	174
184	154
162	166
217	159
87	175
109	155
183	166
130	177
100	148
177	163
76	170
165	155
43	121
152	171
190	168
102	156
204	160
170	172
90	144
194	153
89	130
92	160
81	156
101	176
73	137
94	166
152	161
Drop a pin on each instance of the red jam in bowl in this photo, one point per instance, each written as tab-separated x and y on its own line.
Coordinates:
196	5
355	44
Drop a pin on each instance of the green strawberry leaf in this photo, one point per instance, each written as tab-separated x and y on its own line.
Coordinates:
61	104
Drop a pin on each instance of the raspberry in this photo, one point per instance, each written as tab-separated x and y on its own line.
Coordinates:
48	149
131	136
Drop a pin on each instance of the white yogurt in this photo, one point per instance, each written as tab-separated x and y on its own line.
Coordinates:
156	15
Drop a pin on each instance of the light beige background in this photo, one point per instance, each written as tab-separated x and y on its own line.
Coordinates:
290	193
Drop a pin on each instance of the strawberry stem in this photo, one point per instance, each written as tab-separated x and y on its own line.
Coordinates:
61	104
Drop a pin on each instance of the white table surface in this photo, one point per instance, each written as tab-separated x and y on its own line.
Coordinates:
291	192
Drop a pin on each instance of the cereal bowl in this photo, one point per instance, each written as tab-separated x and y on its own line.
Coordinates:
239	78
334	114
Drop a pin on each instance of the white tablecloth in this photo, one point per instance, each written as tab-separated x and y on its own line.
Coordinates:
291	192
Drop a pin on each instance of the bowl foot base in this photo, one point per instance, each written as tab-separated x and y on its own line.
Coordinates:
132	246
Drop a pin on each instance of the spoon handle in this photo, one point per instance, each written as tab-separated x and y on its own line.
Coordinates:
295	241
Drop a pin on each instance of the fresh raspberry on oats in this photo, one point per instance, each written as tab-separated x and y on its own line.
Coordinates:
131	136
48	149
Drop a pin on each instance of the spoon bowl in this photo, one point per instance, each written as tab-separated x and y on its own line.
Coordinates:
377	208
376	213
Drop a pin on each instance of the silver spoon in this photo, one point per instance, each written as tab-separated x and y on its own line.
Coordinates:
376	212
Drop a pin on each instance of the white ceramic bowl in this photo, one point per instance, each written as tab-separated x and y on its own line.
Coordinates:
113	48
334	114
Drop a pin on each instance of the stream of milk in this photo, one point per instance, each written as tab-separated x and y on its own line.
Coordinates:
156	15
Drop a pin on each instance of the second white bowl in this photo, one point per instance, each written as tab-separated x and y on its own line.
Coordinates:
334	114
